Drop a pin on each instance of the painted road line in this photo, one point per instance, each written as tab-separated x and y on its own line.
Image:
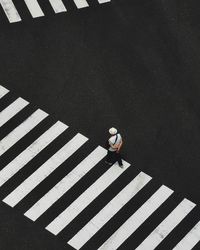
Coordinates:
167	225
31	151
190	240
34	8
3	91
97	222
66	183
58	6
136	220
81	3
10	11
21	130
60	222
104	1
45	170
12	110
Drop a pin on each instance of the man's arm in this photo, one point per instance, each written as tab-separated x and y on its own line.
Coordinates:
119	146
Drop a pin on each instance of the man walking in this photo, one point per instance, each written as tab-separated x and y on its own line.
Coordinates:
114	145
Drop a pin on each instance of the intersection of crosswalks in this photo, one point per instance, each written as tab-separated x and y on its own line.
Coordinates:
35	9
107	212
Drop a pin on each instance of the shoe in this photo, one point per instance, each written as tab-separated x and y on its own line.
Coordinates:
109	163
121	166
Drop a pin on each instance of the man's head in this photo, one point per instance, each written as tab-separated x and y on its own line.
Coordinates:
113	131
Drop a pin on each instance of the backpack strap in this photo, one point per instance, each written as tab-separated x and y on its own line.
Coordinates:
115	139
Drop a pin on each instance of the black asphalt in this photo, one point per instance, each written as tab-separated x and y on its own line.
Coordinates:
132	64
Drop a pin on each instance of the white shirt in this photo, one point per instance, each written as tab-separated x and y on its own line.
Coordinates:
114	141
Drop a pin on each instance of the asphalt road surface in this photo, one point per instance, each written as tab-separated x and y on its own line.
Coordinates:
131	64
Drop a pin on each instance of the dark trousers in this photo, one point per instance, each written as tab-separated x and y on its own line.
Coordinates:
113	156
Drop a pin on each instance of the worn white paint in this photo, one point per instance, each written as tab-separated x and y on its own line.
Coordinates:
106	213
167	225
104	1
62	220
22	130
81	3
31	151
34	8
58	6
10	111
3	91
136	220
45	170
190	240
65	184
10	11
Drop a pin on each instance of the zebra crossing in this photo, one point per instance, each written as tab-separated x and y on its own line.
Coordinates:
35	9
106	213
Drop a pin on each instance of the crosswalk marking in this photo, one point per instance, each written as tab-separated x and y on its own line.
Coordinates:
31	151
190	240
62	220
34	8
65	184
21	130
109	210
167	225
12	110
10	11
81	3
104	1
57	6
106	213
3	91
136	220
45	170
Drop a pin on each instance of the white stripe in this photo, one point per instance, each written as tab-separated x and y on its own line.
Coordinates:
97	222
58	6
21	130
85	198
81	3
34	8
136	220
190	240
167	225
45	170
31	151
3	91
65	184
12	110
104	1
10	11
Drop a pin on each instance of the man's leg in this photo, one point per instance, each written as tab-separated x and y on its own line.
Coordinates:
109	158
119	159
